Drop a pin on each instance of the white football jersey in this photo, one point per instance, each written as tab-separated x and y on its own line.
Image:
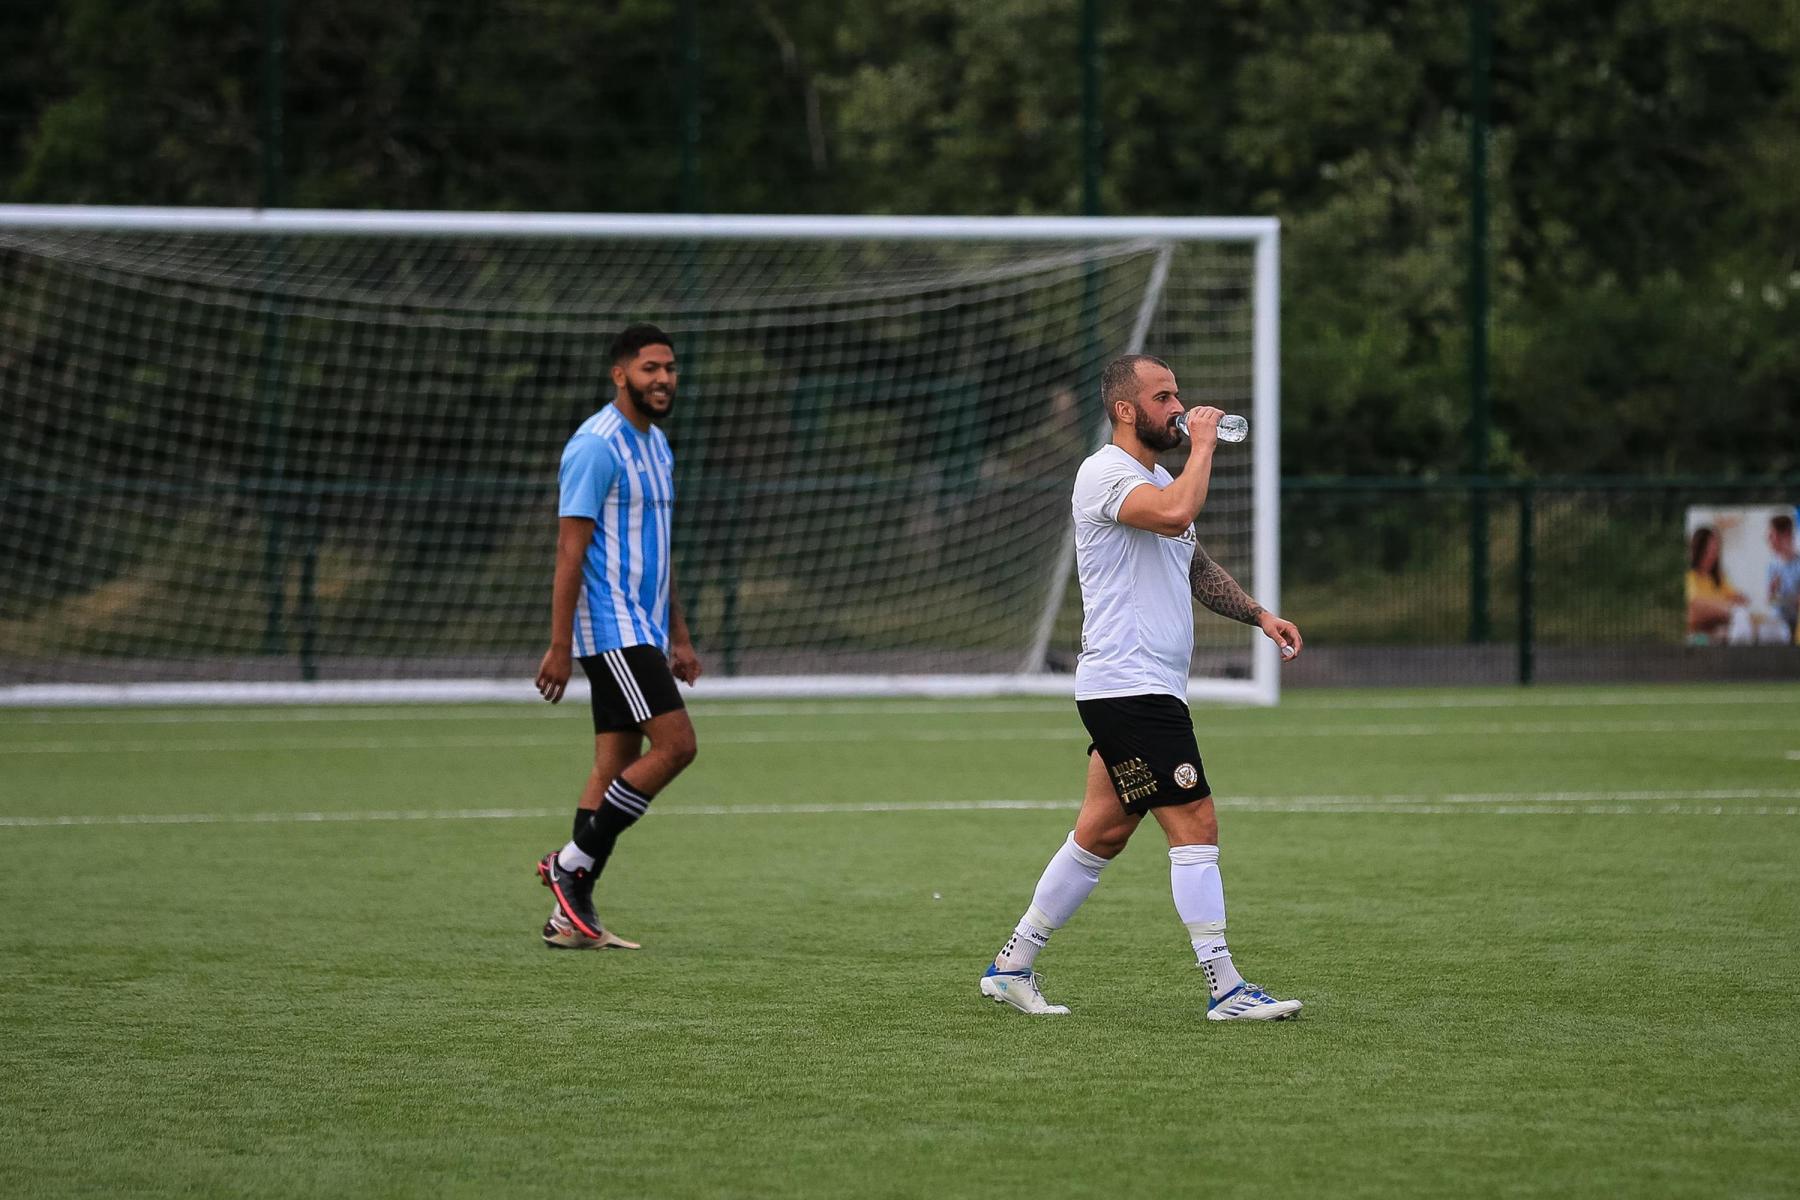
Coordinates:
1137	607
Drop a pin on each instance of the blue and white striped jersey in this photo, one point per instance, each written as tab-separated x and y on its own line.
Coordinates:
623	481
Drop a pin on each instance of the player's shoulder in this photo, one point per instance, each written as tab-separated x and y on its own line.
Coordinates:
596	436
1105	465
1101	460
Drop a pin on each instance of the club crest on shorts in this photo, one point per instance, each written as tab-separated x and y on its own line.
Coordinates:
1186	776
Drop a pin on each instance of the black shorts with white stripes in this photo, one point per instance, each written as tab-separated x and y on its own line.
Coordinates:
630	686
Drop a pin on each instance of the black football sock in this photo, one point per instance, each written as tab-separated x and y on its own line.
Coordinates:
620	810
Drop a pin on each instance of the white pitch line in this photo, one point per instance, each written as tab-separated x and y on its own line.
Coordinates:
725	709
1664	795
1524	727
427	714
503	814
177	746
1674	696
1526	810
1697	802
346	816
573	742
1063	731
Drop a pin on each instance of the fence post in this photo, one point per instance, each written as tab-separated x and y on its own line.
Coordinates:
692	200
1480	61
1091	144
1527	577
690	106
1093	354
730	577
307	608
269	373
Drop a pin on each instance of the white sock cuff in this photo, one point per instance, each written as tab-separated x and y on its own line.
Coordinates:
573	858
1193	856
1086	858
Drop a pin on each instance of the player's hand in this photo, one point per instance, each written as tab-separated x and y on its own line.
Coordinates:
1283	634
1203	424
553	674
684	664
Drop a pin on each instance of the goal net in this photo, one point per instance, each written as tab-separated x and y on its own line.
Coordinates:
313	455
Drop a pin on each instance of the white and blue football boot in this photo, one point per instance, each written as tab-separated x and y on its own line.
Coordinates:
1247	1002
1019	989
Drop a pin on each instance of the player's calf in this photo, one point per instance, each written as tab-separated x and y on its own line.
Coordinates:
673	748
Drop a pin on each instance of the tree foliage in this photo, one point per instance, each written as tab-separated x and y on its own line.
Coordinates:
1645	167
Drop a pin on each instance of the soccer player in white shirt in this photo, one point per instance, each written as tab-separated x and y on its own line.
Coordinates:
614	609
1141	570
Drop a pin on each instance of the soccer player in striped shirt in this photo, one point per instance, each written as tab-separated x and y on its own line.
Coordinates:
615	611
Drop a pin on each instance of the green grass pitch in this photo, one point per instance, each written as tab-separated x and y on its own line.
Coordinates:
1549	943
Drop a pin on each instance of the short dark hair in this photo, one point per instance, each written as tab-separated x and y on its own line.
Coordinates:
1782	524
634	338
1121	375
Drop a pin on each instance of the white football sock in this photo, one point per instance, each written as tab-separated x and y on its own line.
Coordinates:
1200	902
1066	882
573	858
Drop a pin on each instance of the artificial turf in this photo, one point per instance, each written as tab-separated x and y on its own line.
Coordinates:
1549	943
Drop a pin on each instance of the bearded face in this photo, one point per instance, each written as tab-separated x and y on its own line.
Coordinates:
654	403
1159	436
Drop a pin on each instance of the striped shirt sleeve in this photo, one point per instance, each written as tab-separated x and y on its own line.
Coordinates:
589	468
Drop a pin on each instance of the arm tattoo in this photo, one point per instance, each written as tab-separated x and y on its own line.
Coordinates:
1216	589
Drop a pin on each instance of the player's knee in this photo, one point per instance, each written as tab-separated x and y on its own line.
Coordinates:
1107	843
680	747
1206	831
1111	848
1196	823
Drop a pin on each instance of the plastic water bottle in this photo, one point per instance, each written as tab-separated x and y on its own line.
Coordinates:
1232	428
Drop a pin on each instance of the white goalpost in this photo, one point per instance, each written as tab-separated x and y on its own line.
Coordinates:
301	456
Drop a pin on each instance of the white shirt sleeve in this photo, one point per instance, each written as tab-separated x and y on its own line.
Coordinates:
1102	485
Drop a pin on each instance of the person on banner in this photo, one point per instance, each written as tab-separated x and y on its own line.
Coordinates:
1711	600
1784	576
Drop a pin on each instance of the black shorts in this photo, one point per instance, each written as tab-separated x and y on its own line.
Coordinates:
630	686
1147	744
